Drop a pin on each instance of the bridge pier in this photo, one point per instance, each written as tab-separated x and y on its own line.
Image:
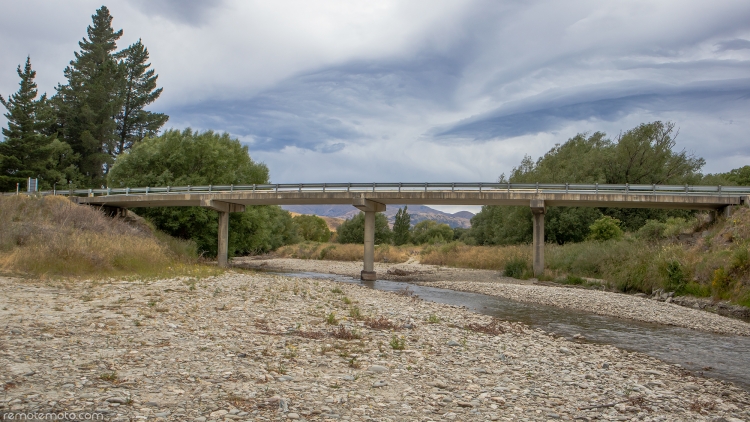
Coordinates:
538	210
369	208
223	208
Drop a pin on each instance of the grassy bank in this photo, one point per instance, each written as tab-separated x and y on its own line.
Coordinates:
686	258
52	237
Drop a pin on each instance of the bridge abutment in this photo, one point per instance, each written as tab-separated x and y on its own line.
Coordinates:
538	210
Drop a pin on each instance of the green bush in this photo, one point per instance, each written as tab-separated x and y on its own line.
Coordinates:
431	232
652	231
605	228
312	228
353	230
516	268
676	278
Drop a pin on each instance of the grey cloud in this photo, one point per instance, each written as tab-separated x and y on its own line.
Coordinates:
191	12
736	44
544	113
318	109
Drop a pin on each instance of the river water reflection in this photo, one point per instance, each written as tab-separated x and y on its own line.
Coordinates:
720	356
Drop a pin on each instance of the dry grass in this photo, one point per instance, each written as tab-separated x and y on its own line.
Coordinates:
344	252
457	254
52	236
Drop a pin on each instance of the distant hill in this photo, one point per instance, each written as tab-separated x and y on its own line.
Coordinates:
417	212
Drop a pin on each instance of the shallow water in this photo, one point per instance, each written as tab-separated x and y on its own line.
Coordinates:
725	357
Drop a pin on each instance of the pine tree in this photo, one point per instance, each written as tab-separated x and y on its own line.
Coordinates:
88	103
401	227
28	149
133	122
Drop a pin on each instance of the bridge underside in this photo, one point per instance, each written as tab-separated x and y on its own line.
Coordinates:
372	202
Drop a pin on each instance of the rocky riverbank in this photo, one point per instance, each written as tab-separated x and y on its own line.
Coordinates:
264	347
617	305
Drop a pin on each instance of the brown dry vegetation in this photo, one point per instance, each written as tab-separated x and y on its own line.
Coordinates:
345	252
52	236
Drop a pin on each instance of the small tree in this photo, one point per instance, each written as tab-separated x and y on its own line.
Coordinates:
429	231
605	228
313	228
353	231
401	227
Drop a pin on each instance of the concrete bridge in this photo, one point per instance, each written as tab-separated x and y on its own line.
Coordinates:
374	197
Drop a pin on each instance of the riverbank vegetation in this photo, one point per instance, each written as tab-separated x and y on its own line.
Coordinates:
688	257
53	237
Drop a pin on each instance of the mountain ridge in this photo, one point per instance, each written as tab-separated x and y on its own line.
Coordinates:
417	213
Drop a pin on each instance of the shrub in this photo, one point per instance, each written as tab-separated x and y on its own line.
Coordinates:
312	228
652	231
605	228
516	268
676	278
353	230
431	232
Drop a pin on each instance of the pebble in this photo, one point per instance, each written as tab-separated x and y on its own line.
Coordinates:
193	372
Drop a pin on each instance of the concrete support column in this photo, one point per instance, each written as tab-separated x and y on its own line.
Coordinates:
368	272
727	211
538	210
369	208
223	208
223	238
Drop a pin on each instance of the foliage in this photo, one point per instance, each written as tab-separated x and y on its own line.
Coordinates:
138	90
736	177
429	231
605	228
312	228
193	158
516	268
402	227
29	150
353	230
99	109
645	154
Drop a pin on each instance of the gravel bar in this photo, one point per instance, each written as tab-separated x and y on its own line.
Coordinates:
264	347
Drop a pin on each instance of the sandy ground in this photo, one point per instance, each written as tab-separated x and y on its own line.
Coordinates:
257	346
491	283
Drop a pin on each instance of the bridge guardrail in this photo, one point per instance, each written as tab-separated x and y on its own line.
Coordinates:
420	187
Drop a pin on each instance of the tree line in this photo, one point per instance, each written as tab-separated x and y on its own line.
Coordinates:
73	138
645	154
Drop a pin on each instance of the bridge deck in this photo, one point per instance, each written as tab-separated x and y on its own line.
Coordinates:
620	200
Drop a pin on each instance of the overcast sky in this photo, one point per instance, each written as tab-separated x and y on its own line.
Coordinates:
326	91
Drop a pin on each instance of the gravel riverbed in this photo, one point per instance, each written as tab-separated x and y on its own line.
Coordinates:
492	283
249	346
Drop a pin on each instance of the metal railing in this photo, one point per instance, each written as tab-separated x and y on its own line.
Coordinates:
417	187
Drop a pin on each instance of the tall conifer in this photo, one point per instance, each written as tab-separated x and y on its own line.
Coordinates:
88	103
139	90
28	149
